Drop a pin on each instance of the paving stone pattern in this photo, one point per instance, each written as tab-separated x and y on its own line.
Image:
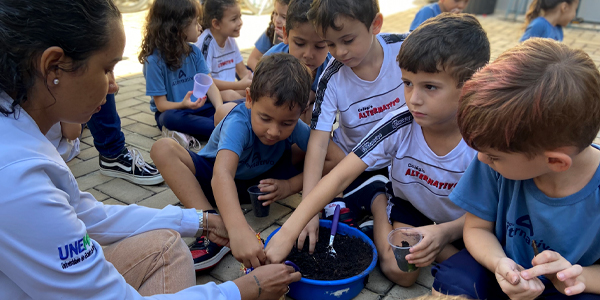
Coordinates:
140	131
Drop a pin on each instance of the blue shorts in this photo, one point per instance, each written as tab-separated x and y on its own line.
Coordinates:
461	274
283	169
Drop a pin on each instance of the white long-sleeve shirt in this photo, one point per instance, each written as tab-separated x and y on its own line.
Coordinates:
51	232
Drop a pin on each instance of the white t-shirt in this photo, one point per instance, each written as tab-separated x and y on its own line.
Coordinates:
67	149
360	103
221	61
417	173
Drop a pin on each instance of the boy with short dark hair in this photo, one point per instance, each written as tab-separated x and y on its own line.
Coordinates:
361	84
532	114
302	41
421	142
251	143
434	9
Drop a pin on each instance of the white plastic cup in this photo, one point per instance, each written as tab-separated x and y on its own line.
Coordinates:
402	239
201	84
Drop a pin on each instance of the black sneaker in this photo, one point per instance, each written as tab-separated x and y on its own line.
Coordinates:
359	199
130	165
207	254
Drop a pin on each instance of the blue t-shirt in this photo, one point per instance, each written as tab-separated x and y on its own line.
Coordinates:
540	27
427	12
522	213
283	48
235	133
264	43
160	80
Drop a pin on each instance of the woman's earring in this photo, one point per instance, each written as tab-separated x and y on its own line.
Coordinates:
55	81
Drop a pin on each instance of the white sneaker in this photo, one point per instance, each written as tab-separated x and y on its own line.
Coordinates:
186	141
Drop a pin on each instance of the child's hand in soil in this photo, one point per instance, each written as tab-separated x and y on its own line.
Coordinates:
246	248
517	288
279	247
277	189
565	277
433	242
312	230
267	282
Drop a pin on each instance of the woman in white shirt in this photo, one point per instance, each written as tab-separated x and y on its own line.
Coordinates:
56	62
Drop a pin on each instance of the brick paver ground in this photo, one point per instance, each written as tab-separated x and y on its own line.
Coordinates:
140	131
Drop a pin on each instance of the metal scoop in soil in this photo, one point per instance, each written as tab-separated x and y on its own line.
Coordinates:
334	225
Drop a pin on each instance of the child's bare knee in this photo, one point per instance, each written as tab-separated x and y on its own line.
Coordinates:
162	149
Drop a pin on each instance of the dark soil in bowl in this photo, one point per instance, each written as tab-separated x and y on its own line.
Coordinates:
353	257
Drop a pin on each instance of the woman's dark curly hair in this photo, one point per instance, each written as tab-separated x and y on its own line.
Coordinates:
27	28
164	31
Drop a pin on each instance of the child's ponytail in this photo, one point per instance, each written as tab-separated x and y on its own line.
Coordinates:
537	6
270	32
533	12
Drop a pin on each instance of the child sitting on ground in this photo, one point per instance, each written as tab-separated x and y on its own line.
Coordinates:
251	143
532	114
421	142
546	18
434	9
222	22
361	84
302	41
273	35
170	63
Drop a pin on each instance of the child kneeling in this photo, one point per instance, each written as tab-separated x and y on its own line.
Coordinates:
532	114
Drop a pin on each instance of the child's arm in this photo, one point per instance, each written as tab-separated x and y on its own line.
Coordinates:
567	278
162	104
486	249
254	57
435	238
313	168
241	70
245	247
214	95
334	183
70	131
242	84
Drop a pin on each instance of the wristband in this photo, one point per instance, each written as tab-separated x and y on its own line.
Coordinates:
202	223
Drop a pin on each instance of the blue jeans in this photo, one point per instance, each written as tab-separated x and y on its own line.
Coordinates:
105	127
198	123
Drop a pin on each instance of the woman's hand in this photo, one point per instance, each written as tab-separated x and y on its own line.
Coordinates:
267	282
216	231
